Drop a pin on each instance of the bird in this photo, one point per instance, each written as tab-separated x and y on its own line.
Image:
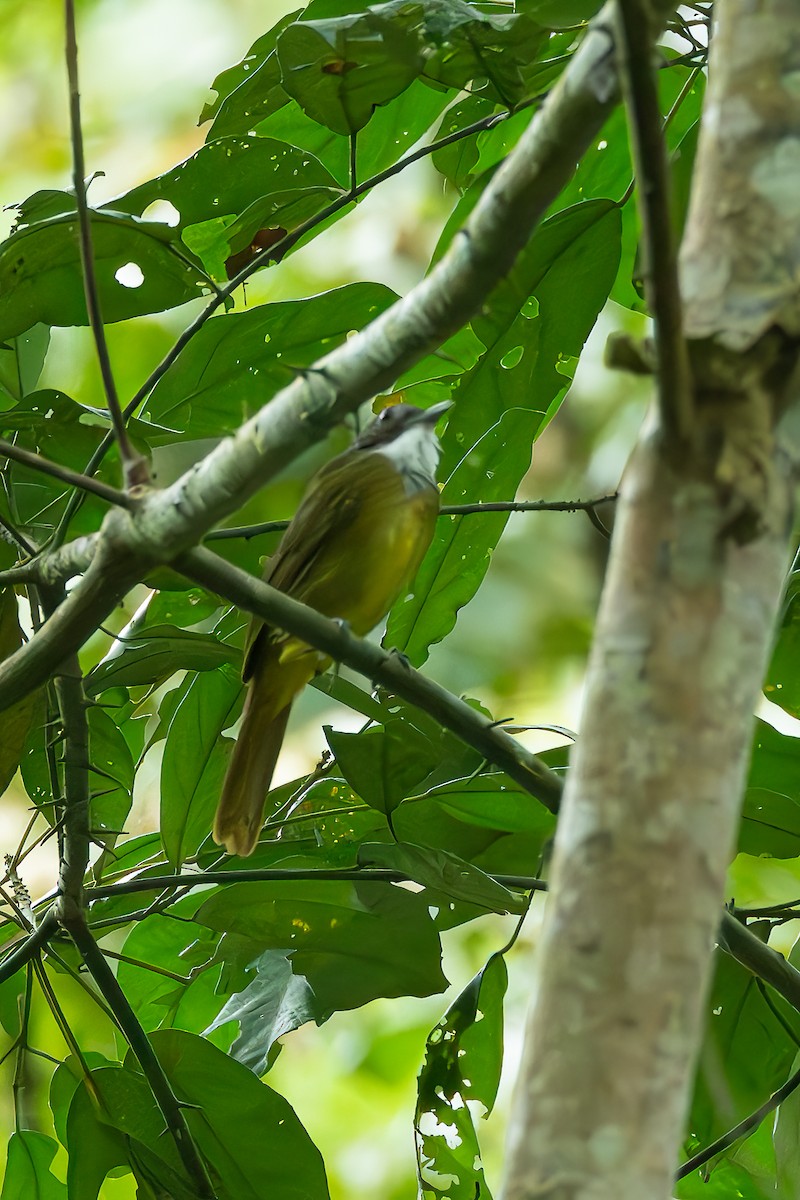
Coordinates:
356	541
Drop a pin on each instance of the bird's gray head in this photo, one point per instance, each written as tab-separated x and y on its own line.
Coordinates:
406	435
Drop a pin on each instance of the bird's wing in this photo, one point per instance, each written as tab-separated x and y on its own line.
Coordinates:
330	499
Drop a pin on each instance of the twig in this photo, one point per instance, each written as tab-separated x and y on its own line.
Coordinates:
189	880
30	947
65	474
741	1130
447	510
134	465
653	191
20	1082
140	1045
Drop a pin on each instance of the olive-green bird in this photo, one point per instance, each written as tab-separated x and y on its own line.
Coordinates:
356	541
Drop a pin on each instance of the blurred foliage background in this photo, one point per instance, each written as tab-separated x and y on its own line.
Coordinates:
520	646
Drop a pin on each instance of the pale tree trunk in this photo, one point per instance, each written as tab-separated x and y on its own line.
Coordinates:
650	812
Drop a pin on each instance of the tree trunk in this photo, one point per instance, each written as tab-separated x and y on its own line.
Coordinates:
650	812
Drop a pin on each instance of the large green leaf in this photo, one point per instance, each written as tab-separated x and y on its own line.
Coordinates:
137	269
463	1059
746	1054
533	326
28	1175
443	872
251	89
393	129
771	812
236	362
159	652
274	1003
249	1135
340	70
383	764
191	781
783	677
351	943
112	773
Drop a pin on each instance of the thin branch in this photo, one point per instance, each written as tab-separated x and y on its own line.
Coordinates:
189	880
743	1129
13	535
447	510
65	475
145	1055
30	947
133	464
635	38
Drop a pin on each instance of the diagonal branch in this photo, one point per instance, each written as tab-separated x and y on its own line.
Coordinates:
391	670
169	522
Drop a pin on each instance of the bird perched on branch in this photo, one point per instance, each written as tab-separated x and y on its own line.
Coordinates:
356	541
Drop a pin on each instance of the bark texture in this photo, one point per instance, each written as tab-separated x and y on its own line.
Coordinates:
651	807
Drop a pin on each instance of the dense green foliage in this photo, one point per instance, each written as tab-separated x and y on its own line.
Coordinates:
320	112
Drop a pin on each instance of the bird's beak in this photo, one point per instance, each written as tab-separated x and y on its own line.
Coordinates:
431	415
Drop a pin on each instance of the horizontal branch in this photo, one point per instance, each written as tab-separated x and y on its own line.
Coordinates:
447	510
189	880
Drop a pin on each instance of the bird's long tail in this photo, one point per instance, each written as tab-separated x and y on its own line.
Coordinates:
240	812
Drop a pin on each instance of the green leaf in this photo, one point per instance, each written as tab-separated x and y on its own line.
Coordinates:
112	775
351	943
250	1135
771	812
383	765
783	677
191	783
18	719
492	52
746	1053
276	1002
463	1060
443	872
457	160
393	129
156	655
28	1175
94	1147
560	14
340	70
244	93
21	362
41	282
235	361
493	801
534	321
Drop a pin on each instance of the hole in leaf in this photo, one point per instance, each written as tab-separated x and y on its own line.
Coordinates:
130	276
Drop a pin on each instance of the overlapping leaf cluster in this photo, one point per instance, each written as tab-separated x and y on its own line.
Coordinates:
321	110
